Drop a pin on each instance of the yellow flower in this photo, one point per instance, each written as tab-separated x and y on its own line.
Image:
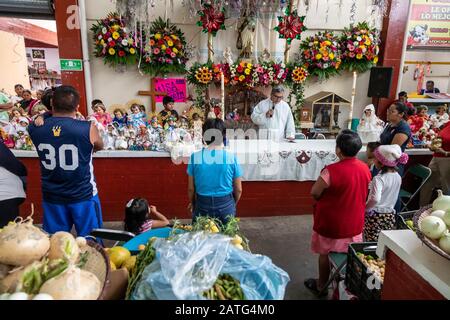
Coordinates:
318	56
175	50
174	37
163	47
368	43
116	27
132	51
170	43
332	56
241	78
249	65
247	71
328	43
363	47
157	36
359	56
115	35
338	64
111	51
102	42
375	60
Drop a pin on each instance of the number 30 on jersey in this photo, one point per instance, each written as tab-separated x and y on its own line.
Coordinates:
51	154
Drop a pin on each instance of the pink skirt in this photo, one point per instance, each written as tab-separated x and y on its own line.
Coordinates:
324	245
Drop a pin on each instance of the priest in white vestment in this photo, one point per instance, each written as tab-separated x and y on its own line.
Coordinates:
274	117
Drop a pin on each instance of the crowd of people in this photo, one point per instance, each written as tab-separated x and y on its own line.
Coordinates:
355	201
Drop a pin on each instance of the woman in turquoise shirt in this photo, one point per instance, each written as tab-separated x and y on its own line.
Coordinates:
215	185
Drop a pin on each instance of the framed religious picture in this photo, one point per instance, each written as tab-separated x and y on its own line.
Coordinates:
38	53
305	116
40	66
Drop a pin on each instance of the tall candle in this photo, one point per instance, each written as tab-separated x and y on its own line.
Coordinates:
350	116
222	91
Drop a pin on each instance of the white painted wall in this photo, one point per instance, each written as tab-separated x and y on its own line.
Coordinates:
113	87
51	58
13	62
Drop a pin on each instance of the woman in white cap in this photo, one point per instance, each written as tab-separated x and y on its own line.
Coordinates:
370	126
384	190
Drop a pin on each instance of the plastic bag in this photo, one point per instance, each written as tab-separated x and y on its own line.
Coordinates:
190	264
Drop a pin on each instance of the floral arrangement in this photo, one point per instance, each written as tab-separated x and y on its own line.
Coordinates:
290	26
211	19
269	73
222	68
280	73
113	42
200	74
321	54
165	50
241	74
360	47
298	74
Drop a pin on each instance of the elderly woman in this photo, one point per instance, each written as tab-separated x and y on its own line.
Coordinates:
12	193
215	185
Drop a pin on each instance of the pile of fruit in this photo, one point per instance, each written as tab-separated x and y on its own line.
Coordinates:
231	229
36	266
376	266
225	288
436	226
120	257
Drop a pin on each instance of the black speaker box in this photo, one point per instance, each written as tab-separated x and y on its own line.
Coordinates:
380	82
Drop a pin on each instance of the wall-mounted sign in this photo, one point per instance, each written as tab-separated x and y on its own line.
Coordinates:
429	24
174	87
71	64
38	54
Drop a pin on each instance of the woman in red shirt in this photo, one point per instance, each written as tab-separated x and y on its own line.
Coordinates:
341	193
440	167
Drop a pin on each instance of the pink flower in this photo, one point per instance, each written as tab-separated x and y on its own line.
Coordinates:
260	69
351	47
173	54
351	54
156	51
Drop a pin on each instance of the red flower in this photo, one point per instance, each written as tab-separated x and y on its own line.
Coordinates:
121	53
160	42
240	69
168	51
112	43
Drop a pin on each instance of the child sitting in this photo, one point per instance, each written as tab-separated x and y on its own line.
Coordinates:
419	120
138	217
384	190
341	193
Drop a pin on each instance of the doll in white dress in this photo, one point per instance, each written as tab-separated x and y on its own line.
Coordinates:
109	137
121	141
370	127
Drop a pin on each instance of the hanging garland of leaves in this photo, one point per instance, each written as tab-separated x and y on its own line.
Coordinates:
290	26
211	19
113	42
295	81
360	47
165	49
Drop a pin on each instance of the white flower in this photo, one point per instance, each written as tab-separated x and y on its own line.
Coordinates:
325	65
100	37
283	65
356	43
364	50
110	39
124	42
371	36
104	30
125	29
358	38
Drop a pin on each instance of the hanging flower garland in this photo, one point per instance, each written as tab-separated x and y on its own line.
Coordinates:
211	19
113	42
290	26
165	50
321	54
360	47
296	82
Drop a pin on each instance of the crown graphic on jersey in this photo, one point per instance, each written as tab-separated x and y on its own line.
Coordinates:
56	131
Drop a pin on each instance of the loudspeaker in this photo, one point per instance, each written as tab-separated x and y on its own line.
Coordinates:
380	82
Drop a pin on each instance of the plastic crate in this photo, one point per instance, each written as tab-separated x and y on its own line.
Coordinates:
400	219
357	278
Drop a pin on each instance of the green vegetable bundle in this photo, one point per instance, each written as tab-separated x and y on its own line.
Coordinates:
225	288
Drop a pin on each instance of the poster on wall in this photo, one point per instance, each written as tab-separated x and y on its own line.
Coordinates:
429	24
173	87
38	54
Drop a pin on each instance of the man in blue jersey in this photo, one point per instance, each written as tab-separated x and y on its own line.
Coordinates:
65	147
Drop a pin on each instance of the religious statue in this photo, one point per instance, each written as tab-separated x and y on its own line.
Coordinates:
228	55
246	35
370	126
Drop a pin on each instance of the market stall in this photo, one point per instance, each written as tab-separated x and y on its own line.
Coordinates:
121	175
